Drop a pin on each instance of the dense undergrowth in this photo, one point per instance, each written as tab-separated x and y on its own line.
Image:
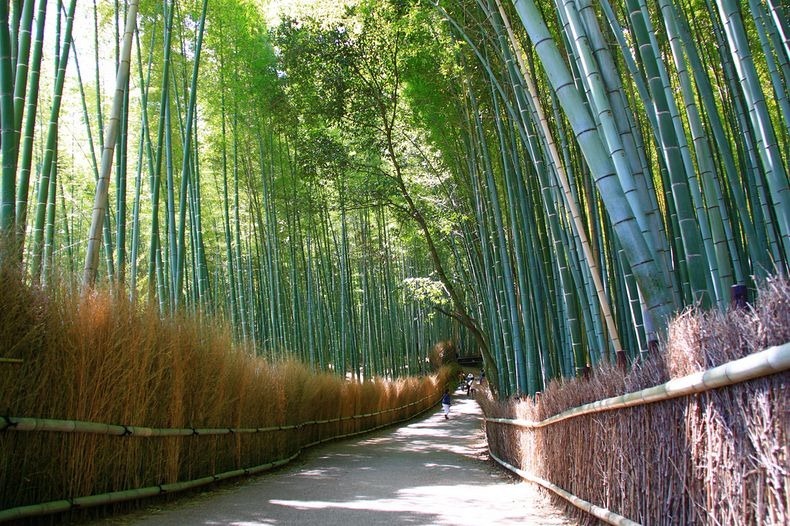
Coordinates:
102	359
720	457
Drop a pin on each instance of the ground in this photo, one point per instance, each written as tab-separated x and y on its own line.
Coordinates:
430	471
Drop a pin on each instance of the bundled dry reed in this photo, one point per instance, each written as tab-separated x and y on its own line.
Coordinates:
104	360
719	457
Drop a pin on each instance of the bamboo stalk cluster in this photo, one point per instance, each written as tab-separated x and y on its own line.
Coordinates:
596	167
204	199
621	160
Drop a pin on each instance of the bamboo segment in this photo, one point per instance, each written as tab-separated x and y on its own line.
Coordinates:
764	363
11	360
605	515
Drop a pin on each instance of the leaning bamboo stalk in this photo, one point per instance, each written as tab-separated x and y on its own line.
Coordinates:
114	497
103	184
605	515
562	177
764	363
9	423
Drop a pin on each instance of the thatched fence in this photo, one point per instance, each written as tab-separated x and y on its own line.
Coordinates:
703	442
103	401
295	438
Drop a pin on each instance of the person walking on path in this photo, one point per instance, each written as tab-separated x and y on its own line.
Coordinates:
446	402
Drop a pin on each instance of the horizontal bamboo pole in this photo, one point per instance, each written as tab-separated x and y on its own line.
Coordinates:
11	360
605	515
13	423
764	363
115	497
60	506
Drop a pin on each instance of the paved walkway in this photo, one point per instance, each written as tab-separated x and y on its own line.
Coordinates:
432	471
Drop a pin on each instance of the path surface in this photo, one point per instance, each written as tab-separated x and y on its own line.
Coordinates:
432	471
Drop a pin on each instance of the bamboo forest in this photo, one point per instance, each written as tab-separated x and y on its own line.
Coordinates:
541	183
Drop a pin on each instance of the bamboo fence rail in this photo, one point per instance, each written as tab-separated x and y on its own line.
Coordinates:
11	360
768	362
764	363
12	423
605	515
72	426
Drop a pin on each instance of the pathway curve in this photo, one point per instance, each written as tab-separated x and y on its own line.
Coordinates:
431	471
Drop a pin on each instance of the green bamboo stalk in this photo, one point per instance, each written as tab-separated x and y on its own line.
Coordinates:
718	253
768	150
156	278
779	68
49	152
560	173
21	74
26	140
144	149
7	128
191	108
650	278
49	234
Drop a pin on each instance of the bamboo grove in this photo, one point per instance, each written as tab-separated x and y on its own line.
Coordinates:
626	161
542	182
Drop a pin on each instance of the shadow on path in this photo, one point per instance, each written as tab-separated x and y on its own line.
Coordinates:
432	471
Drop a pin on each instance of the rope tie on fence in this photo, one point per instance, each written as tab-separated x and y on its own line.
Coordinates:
7	423
126	431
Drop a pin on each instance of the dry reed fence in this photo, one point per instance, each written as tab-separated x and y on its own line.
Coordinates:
103	360
718	457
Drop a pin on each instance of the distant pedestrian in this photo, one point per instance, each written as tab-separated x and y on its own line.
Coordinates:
446	402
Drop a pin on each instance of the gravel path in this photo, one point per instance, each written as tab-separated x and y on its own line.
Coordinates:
432	471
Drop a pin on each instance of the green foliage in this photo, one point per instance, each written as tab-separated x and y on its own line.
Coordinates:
351	157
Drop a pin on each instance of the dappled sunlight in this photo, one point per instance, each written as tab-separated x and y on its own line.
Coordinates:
495	503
